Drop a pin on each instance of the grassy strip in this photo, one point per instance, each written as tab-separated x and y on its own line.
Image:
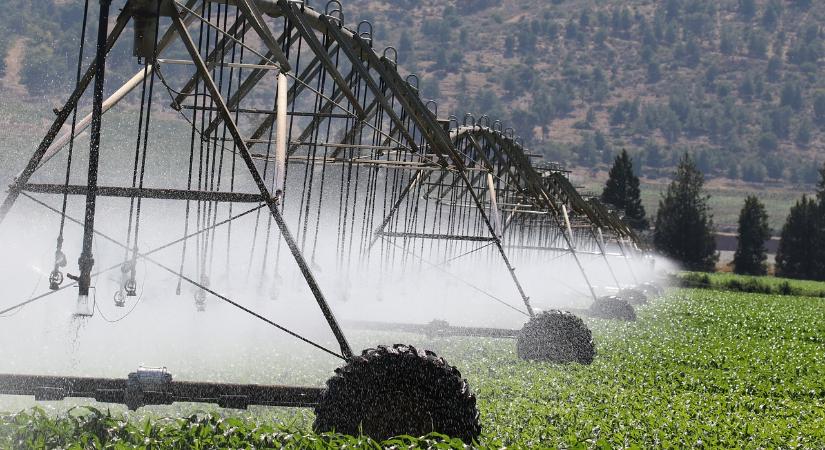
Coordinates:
752	284
699	369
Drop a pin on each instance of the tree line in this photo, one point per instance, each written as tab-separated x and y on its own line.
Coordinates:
683	228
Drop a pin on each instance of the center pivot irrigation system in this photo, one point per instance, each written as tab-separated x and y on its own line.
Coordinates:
292	113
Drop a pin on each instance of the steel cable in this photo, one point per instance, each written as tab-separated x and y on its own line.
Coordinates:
471	285
147	257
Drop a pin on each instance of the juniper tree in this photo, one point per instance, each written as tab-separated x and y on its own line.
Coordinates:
622	191
797	253
684	225
751	254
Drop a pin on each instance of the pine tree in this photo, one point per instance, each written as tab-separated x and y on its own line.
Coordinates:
819	108
818	240
622	191
750	255
796	256
684	226
747	8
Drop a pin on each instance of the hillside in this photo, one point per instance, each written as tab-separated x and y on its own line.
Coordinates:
737	83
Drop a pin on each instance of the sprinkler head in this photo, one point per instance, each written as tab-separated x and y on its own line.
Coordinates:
55	280
200	300
120	299
83	307
131	288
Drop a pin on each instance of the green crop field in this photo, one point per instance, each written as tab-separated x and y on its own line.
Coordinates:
700	368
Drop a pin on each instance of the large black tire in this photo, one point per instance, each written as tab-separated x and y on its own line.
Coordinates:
651	289
633	296
391	391
556	336
612	307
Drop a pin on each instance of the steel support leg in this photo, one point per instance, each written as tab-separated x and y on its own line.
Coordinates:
271	202
497	241
600	242
442	146
568	237
627	260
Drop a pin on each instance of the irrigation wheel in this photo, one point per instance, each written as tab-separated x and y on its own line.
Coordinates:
391	391
651	289
634	296
612	307
556	336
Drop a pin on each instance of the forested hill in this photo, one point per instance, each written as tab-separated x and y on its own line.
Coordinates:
738	83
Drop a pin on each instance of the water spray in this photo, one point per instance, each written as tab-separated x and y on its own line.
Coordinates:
400	188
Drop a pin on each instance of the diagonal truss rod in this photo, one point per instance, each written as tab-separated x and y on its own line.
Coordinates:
365	75
306	32
253	16
237	28
148	257
271	202
321	52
